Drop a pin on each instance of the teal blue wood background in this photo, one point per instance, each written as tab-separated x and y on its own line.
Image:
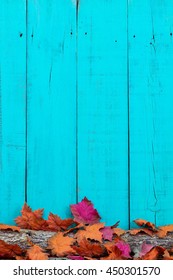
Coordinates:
86	107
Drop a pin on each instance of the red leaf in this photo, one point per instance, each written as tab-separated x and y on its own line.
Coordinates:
84	212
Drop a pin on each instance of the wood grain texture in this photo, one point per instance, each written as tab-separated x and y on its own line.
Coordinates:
151	103
86	100
12	108
51	107
102	108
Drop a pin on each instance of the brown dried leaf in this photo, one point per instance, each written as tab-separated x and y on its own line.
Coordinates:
38	224
60	245
77	227
55	223
118	250
27	209
115	225
171	250
31	219
87	248
9	251
115	255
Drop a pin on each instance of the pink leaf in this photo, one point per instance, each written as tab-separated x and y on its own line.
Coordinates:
145	248
125	249
142	249
84	212
75	258
107	233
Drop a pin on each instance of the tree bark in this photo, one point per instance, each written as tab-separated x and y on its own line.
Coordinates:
41	238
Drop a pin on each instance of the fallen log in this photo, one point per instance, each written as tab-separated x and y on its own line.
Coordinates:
24	238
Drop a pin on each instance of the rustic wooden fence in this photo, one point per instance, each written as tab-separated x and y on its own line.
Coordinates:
86	107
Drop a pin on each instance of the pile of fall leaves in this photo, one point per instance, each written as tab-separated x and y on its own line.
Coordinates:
82	237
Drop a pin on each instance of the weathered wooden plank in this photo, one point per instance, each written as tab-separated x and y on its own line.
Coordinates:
151	114
102	108
12	108
51	107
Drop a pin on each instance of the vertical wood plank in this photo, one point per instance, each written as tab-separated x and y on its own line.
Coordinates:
12	108
151	114
102	108
51	107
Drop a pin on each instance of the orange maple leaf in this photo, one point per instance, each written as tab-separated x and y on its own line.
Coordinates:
114	253
60	245
20	258
141	230
167	256
110	246
118	231
113	256
55	223
9	251
163	230
141	222
118	250
90	231
88	248
36	253
154	253
7	227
